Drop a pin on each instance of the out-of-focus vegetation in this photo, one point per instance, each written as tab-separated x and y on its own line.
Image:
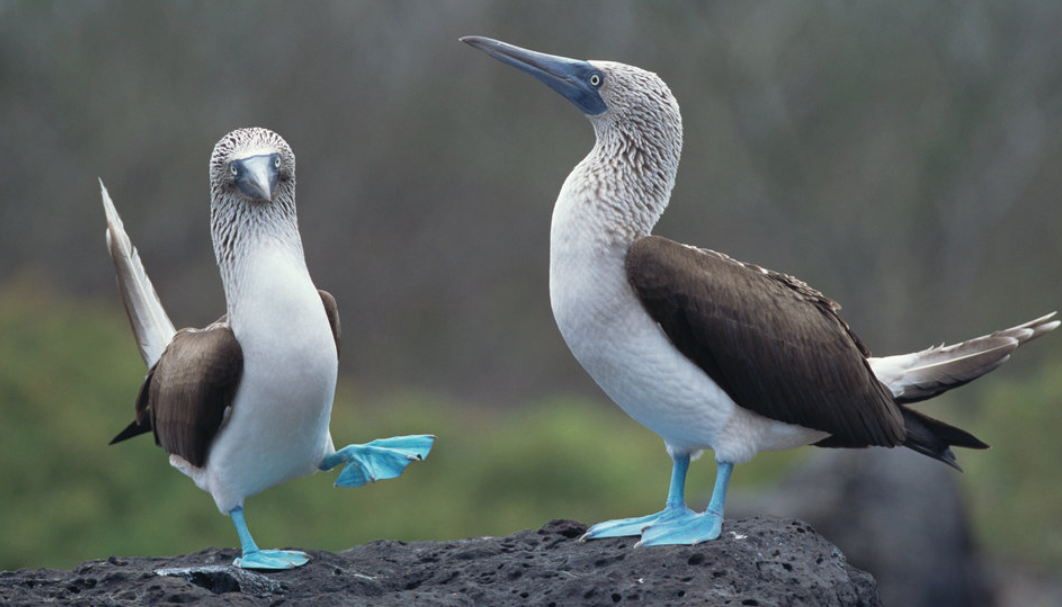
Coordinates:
1015	488
70	377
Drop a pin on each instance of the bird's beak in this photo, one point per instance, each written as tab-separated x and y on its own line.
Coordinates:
257	176
569	77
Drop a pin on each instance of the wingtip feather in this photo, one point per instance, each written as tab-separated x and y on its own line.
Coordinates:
151	325
920	375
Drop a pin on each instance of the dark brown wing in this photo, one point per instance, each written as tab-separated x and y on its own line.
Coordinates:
775	345
184	397
332	310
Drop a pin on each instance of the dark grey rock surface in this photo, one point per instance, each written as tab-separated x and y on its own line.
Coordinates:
758	562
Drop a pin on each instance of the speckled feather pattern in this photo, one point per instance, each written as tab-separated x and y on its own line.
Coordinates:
630	173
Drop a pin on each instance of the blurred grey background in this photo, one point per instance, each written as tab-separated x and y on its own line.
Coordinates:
902	157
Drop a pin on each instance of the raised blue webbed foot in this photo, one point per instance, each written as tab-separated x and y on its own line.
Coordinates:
694	529
271	559
635	526
379	460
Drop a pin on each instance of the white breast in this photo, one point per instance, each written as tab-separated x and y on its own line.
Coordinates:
278	428
628	355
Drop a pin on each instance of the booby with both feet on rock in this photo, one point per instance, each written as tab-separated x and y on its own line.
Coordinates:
244	404
704	350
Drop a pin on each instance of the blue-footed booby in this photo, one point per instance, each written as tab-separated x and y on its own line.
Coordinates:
707	351
244	404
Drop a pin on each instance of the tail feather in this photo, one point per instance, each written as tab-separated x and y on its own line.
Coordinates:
921	375
151	325
934	438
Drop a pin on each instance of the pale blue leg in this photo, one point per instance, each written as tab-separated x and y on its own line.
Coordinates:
379	460
699	527
253	558
674	509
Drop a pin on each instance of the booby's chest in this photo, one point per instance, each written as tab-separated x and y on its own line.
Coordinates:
279	319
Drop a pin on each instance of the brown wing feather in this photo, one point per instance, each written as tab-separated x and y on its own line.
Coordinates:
194	382
184	396
332	310
775	345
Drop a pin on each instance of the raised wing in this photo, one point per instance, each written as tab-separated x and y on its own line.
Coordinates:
151	325
775	345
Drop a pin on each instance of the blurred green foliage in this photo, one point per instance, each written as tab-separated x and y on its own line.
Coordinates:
1016	488
70	374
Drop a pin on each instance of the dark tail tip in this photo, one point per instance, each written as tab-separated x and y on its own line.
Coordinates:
934	438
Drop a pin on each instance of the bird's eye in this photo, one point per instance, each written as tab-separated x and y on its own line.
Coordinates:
234	170
595	79
276	161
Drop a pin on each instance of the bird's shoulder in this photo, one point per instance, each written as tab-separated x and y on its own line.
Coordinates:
684	276
654	259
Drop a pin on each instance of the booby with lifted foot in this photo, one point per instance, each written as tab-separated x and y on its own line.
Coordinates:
704	350
244	404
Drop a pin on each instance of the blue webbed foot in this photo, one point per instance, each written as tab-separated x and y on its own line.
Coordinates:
253	558
379	460
674	509
675	524
697	528
636	526
691	530
271	559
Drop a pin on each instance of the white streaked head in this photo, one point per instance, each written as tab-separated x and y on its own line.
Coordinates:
625	183
639	104
252	194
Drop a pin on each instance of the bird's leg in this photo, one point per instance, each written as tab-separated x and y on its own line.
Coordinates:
674	509
253	558
699	527
379	460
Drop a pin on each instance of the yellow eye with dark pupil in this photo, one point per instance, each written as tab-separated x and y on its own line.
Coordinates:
276	162
595	79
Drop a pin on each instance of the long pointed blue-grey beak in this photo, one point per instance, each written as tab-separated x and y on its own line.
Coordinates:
572	78
257	176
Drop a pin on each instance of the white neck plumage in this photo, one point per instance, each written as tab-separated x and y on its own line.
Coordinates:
620	190
242	230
